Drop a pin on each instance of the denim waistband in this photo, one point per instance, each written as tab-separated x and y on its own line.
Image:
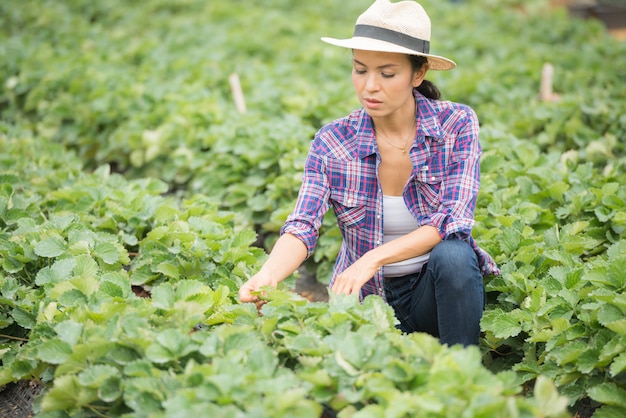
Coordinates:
419	274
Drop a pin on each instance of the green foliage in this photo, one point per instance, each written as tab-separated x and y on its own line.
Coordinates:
126	171
130	356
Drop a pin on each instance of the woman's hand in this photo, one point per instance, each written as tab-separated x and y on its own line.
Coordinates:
254	284
288	253
352	279
413	244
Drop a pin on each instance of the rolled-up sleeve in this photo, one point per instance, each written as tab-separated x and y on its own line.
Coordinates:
313	202
460	180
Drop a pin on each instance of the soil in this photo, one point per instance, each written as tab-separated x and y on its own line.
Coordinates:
16	399
310	288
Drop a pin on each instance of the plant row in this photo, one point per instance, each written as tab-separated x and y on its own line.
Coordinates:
120	301
126	163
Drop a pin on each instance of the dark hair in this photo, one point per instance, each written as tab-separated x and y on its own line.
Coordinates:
427	88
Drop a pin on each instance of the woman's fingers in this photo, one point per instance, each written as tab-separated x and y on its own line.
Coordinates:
343	286
245	293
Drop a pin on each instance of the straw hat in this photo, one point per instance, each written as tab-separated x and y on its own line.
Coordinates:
402	27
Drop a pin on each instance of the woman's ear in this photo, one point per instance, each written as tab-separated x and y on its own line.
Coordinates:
419	75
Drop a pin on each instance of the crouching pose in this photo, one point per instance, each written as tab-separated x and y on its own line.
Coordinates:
402	174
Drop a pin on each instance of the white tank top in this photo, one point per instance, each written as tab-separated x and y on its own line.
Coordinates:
398	221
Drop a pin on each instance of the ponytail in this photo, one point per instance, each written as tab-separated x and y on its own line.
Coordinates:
427	88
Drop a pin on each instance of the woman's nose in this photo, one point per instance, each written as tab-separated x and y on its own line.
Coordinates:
372	82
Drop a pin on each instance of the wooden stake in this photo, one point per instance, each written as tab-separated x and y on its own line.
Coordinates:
235	87
545	90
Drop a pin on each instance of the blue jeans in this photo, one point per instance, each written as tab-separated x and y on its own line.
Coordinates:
445	299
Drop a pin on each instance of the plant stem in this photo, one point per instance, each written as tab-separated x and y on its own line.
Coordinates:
11	337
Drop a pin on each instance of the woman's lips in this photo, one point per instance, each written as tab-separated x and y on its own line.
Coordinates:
372	103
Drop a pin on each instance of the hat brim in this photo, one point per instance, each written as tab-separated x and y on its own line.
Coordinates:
435	62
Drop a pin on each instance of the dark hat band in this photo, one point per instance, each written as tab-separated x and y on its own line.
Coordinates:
388	35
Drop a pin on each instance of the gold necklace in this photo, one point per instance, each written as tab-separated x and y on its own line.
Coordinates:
406	141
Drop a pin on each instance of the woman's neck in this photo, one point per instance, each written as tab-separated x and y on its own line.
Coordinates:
398	123
397	126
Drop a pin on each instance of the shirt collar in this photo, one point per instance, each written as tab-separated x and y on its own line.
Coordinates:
427	121
427	125
364	129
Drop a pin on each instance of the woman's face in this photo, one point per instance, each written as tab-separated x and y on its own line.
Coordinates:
384	82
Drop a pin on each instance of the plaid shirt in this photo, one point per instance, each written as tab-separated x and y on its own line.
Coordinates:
342	171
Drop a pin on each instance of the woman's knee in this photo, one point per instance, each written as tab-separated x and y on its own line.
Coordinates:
455	262
454	253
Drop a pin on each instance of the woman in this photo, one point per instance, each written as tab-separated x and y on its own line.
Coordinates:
402	175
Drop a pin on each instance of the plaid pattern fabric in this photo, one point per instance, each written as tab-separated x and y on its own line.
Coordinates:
341	171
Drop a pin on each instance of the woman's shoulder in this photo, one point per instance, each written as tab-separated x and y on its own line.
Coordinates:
345	124
341	128
444	118
445	109
447	117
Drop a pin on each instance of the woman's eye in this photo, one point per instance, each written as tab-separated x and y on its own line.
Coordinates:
387	75
359	71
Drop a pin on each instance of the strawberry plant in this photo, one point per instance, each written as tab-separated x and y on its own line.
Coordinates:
132	192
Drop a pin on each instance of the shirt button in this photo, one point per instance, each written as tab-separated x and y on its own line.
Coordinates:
378	242
433	178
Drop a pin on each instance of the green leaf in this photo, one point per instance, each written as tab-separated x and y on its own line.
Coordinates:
86	267
163	296
608	411
618	365
500	323
59	271
111	389
12	265
170	345
67	394
107	252
263	362
307	343
608	393
510	240
62	222
95	376
69	331
54	351
112	289
87	285
159	354
122	354
50	247
189	290
569	353
379	313
140	368
398	370
244	238
166	212
24	318
69	296
345	365
618	327
610	314
549	401
169	269
604	214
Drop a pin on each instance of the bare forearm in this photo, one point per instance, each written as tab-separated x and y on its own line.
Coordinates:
418	242
286	256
